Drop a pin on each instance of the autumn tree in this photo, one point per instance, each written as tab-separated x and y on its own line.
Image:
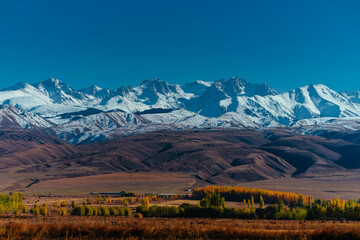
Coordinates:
213	200
261	202
145	202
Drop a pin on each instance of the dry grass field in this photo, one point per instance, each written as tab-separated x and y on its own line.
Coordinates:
328	186
115	182
72	227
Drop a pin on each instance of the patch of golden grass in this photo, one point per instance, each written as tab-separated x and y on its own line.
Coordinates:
74	227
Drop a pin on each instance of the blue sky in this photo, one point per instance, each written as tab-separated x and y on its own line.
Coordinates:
286	44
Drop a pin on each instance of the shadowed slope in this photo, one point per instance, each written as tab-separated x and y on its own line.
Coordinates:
23	147
212	157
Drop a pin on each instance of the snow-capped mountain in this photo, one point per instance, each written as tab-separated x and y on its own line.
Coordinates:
96	92
95	113
312	101
197	88
220	97
12	117
352	96
152	93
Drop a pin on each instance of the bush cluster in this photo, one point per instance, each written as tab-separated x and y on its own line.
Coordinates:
88	210
11	203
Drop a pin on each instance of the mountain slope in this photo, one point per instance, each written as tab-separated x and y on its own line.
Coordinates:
29	148
211	157
12	117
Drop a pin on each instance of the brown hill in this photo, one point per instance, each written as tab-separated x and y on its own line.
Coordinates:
221	157
212	157
25	147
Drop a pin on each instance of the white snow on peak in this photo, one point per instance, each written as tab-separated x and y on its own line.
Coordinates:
207	84
94	114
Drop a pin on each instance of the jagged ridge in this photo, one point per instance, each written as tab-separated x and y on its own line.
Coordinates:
226	103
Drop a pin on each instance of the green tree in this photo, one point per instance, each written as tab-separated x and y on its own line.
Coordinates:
128	211
212	200
145	202
89	210
73	204
261	202
79	210
281	205
43	211
104	211
252	202
62	211
113	211
35	210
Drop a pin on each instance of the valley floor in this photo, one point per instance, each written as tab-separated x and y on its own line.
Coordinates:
327	186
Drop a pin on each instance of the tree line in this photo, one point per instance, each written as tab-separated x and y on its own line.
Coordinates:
239	194
213	206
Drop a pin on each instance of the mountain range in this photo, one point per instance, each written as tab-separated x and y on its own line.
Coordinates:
225	132
95	114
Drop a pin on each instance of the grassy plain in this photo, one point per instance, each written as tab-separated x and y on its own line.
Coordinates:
328	186
115	182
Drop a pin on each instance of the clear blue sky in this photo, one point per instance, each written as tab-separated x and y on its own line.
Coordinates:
286	44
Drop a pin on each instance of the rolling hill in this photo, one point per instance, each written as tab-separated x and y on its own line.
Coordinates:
209	156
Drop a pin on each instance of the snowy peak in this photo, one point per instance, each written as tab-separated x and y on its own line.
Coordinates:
327	102
156	85
197	88
122	91
206	84
18	86
52	84
221	96
353	97
92	90
240	87
58	91
23	95
96	92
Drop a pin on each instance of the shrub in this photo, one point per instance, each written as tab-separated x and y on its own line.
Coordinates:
121	211
138	215
43	211
95	211
89	210
16	212
128	211
113	211
79	210
23	208
35	211
62	211
104	211
141	209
